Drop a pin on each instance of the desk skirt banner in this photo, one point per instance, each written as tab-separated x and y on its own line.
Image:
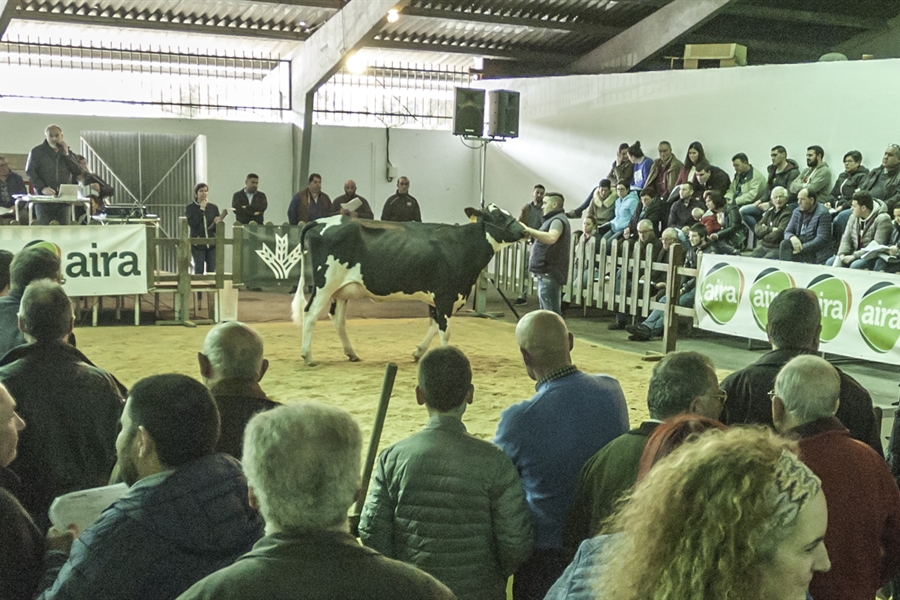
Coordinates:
106	260
860	309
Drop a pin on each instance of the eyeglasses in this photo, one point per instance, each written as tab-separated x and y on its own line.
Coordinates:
722	396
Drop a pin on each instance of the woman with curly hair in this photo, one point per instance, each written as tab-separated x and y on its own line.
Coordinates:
733	515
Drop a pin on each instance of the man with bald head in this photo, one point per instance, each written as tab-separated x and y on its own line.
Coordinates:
232	365
50	165
363	211
863	537
249	204
551	436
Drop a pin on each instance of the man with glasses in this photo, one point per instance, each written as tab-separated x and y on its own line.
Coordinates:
884	182
794	325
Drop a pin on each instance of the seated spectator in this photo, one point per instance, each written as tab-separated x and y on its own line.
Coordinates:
445	501
600	204
71	406
21	543
748	185
661	181
576	583
232	365
588	227
869	223
730	237
808	235
101	191
640	164
771	226
688	173
185	514
682	382
815	178
733	514
848	181
551	436
681	214
302	463
712	178
30	264
653	208
863	535
782	171
622	171
626	205
884	182
10	184
889	261
6	258
646	237
653	325
794	325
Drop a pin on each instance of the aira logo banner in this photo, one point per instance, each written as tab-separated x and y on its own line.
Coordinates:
720	292
879	317
835	299
769	283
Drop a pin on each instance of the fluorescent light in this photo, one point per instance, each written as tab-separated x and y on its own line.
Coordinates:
393	15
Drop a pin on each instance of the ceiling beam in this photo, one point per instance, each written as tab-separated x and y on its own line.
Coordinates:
803	16
7	8
543	58
582	27
159	25
648	36
335	4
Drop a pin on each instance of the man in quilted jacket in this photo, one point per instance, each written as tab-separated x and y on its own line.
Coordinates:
445	501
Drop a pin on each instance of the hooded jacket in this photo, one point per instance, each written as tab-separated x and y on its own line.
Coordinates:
782	178
858	235
166	533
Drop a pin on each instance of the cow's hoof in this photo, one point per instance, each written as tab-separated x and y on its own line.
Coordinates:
353	358
309	362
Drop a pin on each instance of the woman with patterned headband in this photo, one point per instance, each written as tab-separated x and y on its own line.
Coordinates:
734	515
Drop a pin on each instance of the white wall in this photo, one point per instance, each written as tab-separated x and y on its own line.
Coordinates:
570	127
443	173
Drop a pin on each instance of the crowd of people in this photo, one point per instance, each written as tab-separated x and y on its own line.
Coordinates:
769	484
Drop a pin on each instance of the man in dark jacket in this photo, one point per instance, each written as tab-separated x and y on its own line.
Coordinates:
71	406
50	165
232	365
186	513
808	235
549	261
884	182
302	463
771	225
30	264
249	204
10	185
794	324
310	203
401	206
363	211
782	171
445	501
712	178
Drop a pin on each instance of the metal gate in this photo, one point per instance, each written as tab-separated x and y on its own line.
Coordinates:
156	170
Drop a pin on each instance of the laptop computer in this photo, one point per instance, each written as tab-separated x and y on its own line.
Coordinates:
68	191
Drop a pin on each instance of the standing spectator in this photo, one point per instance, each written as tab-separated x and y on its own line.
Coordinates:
551	436
363	211
863	535
794	324
202	217
71	406
302	463
622	170
808	235
310	203
682	382
30	264
850	180
249	204
664	172
890	261
712	178
50	165
232	364
869	223
771	226
549	261
186	512
884	182
688	173
445	501
401	206
815	178
640	164
10	185
627	203
532	215
748	185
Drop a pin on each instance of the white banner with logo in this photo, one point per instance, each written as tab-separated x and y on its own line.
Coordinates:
96	260
860	309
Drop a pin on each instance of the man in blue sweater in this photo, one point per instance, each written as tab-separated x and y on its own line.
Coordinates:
551	436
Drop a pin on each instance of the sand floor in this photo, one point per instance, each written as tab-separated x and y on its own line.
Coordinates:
499	376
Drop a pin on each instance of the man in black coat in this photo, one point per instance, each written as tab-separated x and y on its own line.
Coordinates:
249	204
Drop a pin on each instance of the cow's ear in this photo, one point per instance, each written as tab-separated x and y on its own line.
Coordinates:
473	213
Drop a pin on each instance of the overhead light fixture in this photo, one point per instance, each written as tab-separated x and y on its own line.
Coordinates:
393	15
356	63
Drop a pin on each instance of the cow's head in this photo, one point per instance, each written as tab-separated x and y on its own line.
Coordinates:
500	226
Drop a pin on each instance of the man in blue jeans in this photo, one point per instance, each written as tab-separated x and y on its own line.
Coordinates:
549	261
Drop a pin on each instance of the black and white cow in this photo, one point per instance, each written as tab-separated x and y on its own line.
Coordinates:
435	263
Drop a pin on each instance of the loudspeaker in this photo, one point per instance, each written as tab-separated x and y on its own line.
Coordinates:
504	114
468	112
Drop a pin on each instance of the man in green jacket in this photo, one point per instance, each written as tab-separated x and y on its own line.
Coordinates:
445	501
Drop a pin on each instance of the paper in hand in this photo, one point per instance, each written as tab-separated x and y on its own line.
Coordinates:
84	506
352	205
